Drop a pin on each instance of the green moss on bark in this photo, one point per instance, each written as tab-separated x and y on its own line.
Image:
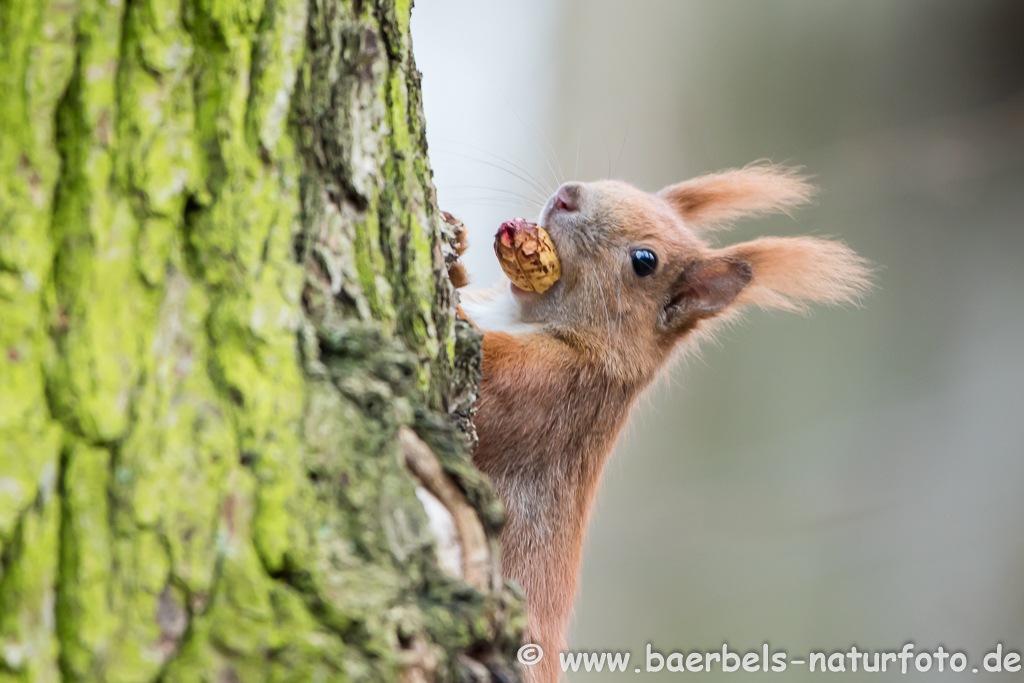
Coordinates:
222	281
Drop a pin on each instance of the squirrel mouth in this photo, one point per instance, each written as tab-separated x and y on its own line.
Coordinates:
519	291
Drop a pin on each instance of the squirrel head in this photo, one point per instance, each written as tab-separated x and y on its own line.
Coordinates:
638	275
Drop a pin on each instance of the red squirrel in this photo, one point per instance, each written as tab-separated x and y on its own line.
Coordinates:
562	369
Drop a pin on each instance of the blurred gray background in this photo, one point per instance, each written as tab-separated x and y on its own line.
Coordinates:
852	477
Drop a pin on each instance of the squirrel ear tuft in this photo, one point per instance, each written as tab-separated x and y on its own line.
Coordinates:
791	272
720	198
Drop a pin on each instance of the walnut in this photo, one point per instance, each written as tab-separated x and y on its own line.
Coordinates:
527	255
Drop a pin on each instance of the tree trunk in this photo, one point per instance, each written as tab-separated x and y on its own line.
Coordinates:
225	328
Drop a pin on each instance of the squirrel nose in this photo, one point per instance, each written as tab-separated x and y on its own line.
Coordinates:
567	198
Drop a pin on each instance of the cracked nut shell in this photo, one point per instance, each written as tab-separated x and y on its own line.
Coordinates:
527	255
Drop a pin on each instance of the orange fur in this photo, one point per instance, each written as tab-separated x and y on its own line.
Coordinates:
532	427
556	392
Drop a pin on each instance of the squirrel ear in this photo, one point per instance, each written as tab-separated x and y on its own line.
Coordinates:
720	198
771	272
704	289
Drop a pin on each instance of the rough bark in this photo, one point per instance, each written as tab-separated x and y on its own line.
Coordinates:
223	301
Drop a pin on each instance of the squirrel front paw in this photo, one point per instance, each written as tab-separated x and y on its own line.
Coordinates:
457	271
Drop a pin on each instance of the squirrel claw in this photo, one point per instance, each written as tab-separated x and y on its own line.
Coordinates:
460	242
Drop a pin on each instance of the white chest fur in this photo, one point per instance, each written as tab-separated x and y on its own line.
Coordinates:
495	310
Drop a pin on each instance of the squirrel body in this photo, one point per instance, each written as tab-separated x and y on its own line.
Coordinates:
562	369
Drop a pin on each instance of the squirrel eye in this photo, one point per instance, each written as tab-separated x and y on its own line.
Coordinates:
645	261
